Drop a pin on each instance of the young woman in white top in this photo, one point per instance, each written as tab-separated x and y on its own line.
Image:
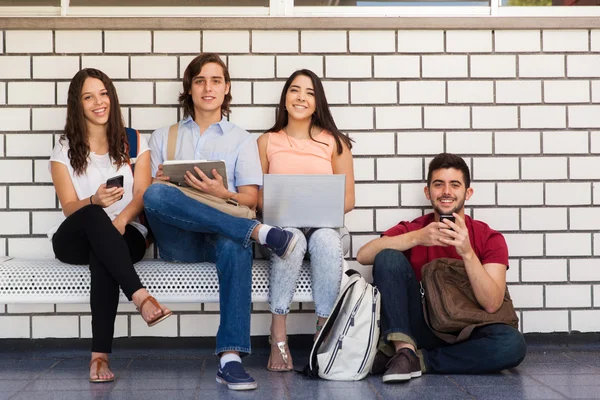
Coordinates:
101	226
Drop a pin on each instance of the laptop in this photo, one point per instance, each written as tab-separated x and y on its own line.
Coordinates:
304	201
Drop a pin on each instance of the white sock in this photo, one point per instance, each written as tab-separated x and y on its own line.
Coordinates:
229	357
262	233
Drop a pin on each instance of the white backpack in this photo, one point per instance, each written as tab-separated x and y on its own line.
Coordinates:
345	347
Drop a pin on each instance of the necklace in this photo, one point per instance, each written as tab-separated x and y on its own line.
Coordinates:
290	142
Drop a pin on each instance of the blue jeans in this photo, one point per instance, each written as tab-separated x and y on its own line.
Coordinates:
189	231
490	348
325	248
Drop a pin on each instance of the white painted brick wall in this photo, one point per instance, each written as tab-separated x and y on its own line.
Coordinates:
563	40
568	193
584	116
516	41
411	195
444	66
23	42
348	66
32	145
116	67
274	41
499	168
543	117
15	67
286	65
399	169
31	93
471	142
528	142
417	143
127	41
372	41
585	320
584	270
516	92
359	220
544	270
49	119
496	117
565	142
446	117
177	42
2	94
15	171
563	296
55	67
14	223
253	118
323	42
337	92
541	66
135	92
353	117
372	143
595	36
584	218
363	168
54	326
78	41
121	326
544	219
527	296
267	92
586	65
501	219
545	321
376	194
252	66
14	327
24	197
14	119
405	117
168	92
496	66
386	218
43	221
154	67
595	91
568	244
520	194
571	91
226	41
374	93
543	168
484	194
422	92
468	41
584	167
420	41
397	66
525	244
470	92
167	328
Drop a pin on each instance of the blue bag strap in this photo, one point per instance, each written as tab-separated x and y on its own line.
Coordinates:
133	137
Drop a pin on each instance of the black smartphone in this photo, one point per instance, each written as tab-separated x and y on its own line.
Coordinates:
115	181
449	218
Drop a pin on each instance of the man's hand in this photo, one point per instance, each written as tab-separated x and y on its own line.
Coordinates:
160	175
458	236
120	225
432	235
211	186
106	197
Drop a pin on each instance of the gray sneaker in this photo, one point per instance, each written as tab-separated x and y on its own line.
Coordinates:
403	366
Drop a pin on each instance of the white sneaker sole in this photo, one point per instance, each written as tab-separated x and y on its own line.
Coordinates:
238	386
401	377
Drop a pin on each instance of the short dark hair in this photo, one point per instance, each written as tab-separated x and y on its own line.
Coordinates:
448	160
192	70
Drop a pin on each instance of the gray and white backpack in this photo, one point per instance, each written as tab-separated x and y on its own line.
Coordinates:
345	347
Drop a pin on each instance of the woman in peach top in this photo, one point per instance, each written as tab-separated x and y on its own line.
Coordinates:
305	140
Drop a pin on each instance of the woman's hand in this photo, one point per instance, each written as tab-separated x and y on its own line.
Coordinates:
106	197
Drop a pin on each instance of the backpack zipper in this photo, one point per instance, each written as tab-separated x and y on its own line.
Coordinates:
373	318
341	337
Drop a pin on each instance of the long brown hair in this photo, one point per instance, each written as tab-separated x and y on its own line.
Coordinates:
321	118
76	129
192	70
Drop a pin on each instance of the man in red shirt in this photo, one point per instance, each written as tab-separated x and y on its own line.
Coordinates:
397	258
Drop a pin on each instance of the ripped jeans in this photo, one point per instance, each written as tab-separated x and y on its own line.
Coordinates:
326	258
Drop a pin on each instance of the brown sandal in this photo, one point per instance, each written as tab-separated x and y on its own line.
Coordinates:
158	319
284	355
100	360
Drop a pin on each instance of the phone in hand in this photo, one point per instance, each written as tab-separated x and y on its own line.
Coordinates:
449	218
115	181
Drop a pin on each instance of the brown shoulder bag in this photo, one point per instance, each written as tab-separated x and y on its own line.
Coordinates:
449	304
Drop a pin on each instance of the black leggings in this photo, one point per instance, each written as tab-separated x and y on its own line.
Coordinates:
88	237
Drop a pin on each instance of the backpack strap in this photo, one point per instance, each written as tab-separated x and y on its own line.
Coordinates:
133	145
172	141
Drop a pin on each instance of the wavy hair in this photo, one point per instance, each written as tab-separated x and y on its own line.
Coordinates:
321	118
76	128
192	70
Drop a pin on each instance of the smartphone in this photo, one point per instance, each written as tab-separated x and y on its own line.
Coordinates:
449	218
115	181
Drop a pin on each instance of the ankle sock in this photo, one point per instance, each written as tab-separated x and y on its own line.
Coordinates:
229	357
263	231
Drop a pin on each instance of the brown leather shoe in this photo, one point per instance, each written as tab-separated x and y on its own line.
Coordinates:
403	366
379	363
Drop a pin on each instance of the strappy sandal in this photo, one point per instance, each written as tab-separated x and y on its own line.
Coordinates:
158	319
282	352
100	360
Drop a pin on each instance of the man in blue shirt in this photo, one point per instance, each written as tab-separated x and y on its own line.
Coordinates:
189	231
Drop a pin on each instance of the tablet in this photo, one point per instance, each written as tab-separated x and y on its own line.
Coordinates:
176	169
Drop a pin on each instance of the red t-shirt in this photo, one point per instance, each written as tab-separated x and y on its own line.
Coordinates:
488	244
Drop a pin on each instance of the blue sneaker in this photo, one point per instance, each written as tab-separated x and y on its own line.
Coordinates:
281	242
235	377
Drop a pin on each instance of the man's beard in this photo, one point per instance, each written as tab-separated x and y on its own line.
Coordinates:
459	206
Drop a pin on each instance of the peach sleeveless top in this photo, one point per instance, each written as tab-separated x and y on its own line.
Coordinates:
287	155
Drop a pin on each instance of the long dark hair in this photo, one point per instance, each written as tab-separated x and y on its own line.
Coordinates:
192	70
76	129
321	118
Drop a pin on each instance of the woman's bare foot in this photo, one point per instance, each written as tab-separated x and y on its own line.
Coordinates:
280	358
149	311
99	370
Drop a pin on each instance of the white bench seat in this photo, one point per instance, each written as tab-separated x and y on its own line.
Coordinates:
51	281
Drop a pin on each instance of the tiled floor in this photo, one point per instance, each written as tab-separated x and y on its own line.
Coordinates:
189	373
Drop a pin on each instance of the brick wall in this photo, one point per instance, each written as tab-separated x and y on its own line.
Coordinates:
521	106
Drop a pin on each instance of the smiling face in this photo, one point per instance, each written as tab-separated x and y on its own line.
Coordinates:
95	102
300	100
447	191
209	89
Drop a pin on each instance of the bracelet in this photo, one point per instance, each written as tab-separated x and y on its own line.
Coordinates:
91	202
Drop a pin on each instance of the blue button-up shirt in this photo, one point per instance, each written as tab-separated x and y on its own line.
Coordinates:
221	141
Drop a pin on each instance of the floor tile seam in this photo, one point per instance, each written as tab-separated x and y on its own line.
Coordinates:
42	373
